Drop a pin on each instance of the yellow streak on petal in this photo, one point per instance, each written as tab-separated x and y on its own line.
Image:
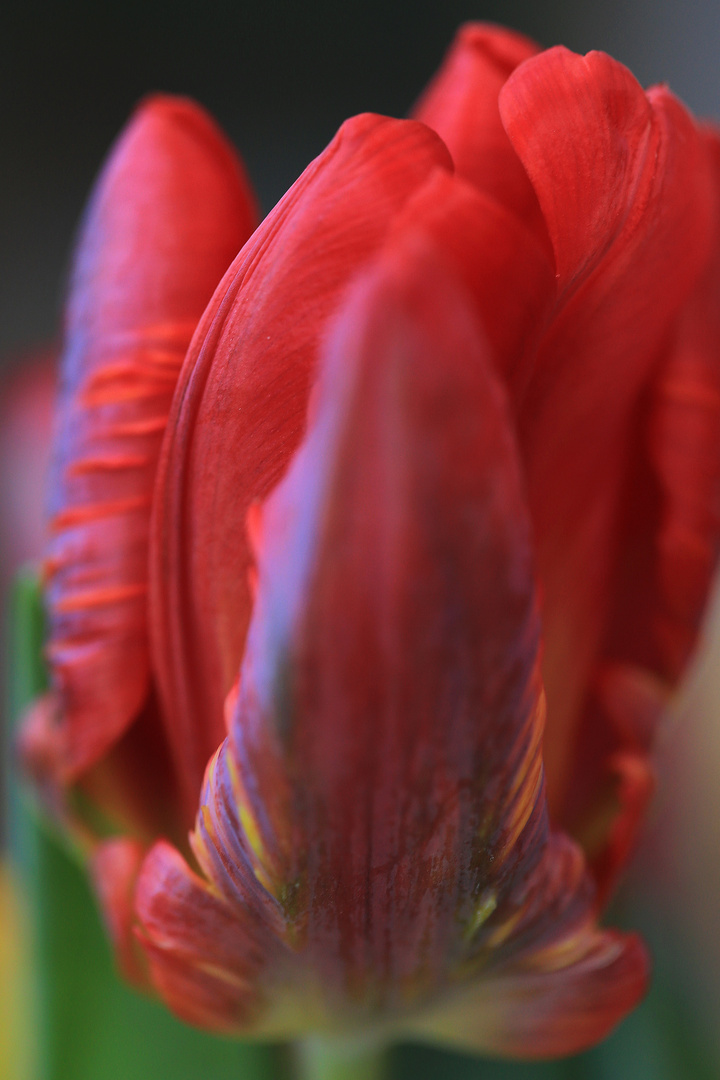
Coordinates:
527	784
566	952
263	872
201	853
483	910
231	978
536	725
503	931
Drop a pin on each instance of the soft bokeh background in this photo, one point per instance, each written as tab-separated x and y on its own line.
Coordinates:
281	76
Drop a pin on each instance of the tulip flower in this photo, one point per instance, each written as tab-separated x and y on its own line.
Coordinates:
375	555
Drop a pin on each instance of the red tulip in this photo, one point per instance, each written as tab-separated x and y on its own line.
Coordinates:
422	551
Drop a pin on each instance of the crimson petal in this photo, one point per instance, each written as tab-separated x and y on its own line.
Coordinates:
241	409
203	959
624	183
561	993
461	104
171	209
684	448
669	551
115	866
506	269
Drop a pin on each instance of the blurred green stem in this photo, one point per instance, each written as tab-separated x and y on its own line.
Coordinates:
340	1059
26	669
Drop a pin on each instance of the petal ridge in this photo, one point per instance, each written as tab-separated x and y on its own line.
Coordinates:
253	358
170	209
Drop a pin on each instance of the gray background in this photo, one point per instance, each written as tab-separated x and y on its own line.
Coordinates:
280	77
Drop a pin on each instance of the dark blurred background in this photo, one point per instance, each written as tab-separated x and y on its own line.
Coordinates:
280	75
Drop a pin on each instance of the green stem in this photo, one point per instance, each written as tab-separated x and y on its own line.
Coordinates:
340	1059
26	678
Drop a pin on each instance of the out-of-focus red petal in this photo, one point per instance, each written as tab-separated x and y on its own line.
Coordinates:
670	535
461	104
132	788
633	700
114	867
205	957
241	409
633	779
624	182
613	778
171	209
684	449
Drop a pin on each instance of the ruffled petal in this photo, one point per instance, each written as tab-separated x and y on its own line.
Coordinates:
205	959
562	992
624	183
170	211
461	104
241	409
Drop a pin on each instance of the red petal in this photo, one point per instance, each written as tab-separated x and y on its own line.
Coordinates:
205	958
115	866
685	453
623	180
633	700
386	741
461	104
613	778
634	784
132	788
507	271
171	209
668	552
241	408
567	988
